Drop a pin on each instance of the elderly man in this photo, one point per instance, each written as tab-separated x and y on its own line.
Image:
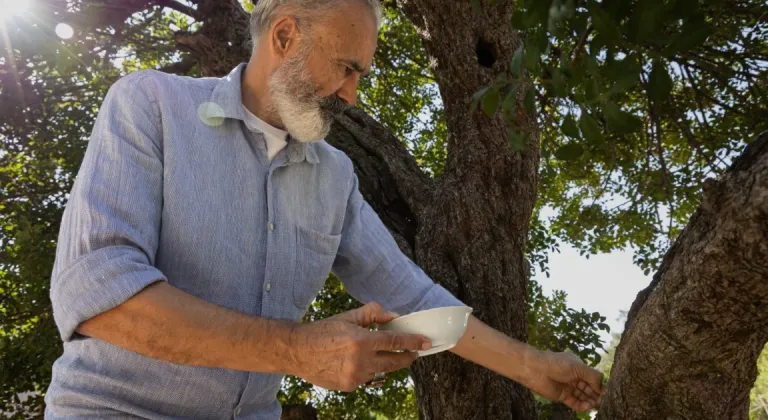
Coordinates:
205	219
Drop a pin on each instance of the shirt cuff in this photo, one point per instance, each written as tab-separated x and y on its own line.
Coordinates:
97	282
436	297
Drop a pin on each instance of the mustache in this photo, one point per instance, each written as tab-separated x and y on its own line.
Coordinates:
334	105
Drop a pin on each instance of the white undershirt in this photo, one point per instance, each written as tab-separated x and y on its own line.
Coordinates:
274	137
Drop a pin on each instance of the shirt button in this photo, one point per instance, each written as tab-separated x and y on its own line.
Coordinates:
271	227
269	286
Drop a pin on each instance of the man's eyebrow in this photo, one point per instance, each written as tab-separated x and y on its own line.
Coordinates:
356	66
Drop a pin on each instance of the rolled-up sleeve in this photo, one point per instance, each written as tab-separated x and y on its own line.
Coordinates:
372	268
110	227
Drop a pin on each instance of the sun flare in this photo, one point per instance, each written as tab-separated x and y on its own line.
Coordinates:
9	8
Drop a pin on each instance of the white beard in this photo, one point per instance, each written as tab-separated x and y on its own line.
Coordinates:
296	102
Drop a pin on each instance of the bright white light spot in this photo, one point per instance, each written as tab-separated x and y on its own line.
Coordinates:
13	7
211	114
64	31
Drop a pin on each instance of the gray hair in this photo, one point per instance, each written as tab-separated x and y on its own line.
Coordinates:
265	12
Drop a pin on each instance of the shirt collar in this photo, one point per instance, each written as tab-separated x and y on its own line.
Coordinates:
227	102
298	151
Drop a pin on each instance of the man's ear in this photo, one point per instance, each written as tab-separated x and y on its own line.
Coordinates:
285	35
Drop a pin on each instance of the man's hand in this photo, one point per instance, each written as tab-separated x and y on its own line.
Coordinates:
563	377
341	353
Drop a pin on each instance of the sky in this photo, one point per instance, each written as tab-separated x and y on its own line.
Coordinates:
605	283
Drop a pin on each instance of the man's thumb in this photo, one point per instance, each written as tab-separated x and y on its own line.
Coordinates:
373	313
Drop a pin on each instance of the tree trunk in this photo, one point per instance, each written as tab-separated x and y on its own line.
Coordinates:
298	412
561	412
468	229
692	338
472	235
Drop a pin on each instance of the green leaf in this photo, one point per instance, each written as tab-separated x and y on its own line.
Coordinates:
690	36
476	6
593	67
516	66
558	83
476	99
538	13
531	57
623	74
566	66
620	121
480	93
569	127
510	98
591	91
491	102
590	129
659	82
683	9
603	326
530	101
624	82
65	63
570	151
603	22
516	140
519	19
645	23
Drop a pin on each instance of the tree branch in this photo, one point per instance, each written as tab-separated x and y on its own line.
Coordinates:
695	331
377	140
182	67
390	179
183	8
578	47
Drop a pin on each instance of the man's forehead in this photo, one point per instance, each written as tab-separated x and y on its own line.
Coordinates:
352	27
353	50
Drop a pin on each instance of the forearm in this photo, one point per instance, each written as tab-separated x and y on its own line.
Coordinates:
508	357
166	323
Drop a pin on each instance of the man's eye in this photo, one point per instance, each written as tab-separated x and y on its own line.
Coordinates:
349	71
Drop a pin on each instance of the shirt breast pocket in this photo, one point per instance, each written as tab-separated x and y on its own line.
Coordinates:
315	253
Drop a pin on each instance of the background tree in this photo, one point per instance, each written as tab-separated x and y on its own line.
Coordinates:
758	406
614	111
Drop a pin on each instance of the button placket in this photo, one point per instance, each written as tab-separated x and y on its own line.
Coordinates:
266	302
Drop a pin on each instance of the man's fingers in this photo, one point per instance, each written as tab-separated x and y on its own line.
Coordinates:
391	362
587	389
580	405
592	377
572	403
371	313
394	341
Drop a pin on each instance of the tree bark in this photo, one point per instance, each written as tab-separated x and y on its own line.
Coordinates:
472	237
298	412
561	412
692	338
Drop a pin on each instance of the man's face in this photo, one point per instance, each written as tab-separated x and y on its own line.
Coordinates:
320	79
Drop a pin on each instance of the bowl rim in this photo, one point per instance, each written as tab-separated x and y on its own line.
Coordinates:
467	310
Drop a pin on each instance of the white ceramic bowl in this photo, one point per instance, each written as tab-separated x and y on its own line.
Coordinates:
444	326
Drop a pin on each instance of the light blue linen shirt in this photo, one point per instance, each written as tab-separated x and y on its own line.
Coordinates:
174	188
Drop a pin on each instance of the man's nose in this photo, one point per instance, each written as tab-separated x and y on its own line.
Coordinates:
348	91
